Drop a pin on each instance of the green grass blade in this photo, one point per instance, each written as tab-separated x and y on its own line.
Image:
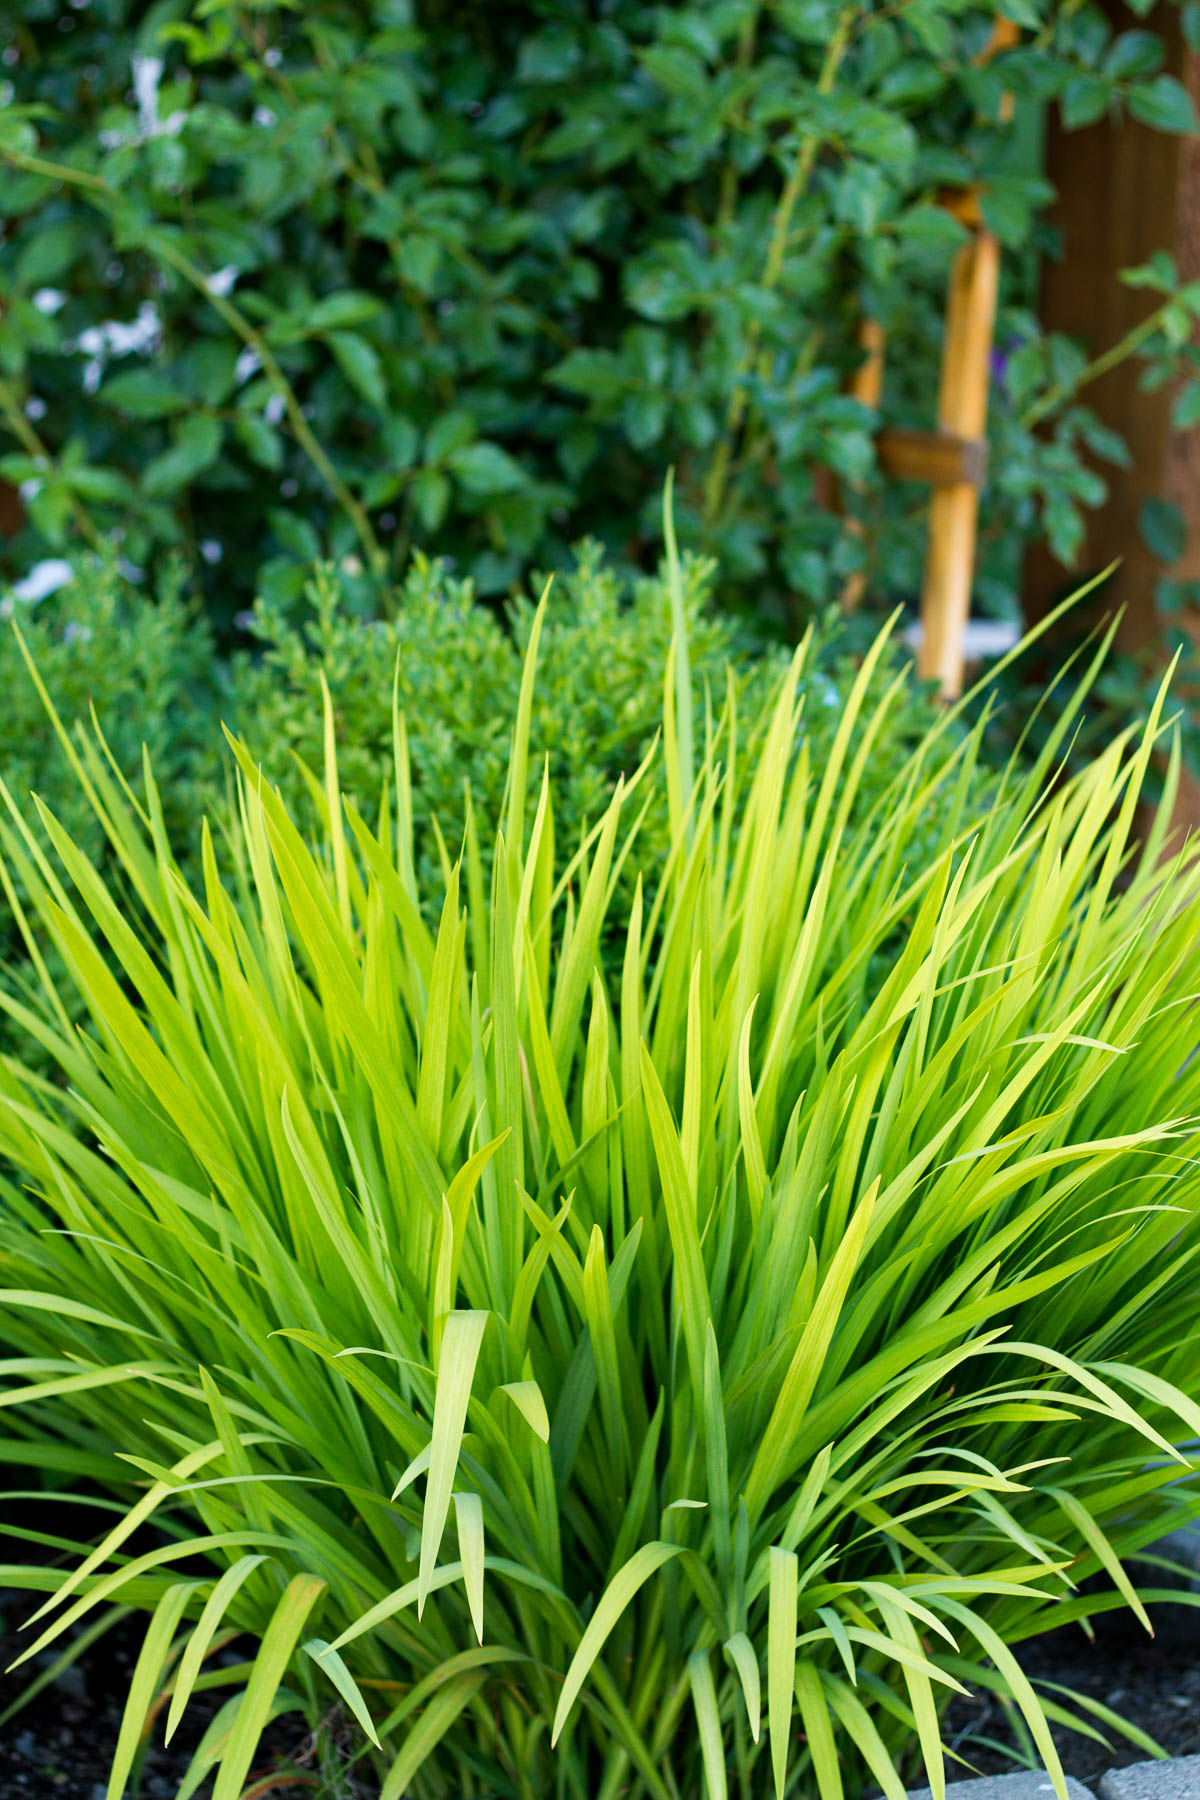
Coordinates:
203	1632
331	1664
708	1722
147	1672
612	1603
456	1373
469	1514
781	1659
740	1652
275	1653
439	1715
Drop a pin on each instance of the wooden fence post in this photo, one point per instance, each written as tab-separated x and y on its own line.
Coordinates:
952	458
962	413
1124	191
866	386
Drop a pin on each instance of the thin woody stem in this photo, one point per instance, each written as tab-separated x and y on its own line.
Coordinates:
793	191
1129	345
28	438
305	435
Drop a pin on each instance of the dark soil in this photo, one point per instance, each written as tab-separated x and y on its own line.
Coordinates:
1153	1683
62	1742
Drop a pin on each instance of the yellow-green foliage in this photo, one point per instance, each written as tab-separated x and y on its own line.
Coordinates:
628	1379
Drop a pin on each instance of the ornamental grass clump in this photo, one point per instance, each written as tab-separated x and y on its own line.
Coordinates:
652	1383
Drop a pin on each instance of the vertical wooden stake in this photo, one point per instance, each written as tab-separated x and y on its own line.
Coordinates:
962	411
866	386
1004	35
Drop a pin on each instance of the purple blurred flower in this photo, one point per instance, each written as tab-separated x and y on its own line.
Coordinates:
1001	356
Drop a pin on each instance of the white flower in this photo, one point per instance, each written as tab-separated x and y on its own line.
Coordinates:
117	337
35	408
49	300
147	73
210	550
44	578
221	281
30	489
121	337
140	334
248	364
275	408
93	343
263	115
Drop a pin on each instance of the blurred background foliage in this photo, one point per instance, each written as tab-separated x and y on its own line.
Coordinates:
349	280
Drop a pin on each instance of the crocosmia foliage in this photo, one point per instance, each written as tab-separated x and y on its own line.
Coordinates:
636	1378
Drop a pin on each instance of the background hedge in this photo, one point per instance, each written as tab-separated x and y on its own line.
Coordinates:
350	279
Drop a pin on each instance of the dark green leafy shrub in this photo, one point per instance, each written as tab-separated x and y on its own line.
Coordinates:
298	281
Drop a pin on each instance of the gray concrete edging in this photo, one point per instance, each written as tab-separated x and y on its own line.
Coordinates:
1169	1778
